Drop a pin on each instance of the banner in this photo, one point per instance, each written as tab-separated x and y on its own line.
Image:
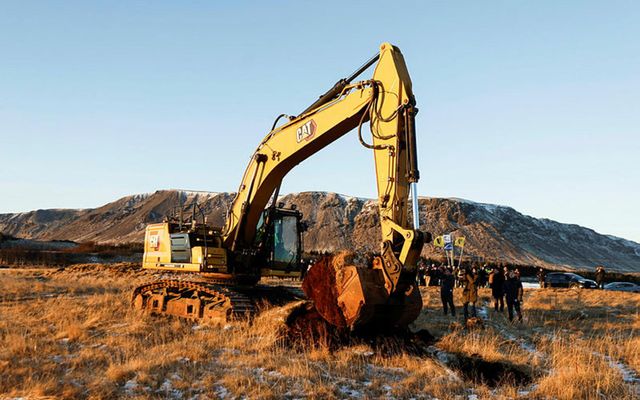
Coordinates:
438	241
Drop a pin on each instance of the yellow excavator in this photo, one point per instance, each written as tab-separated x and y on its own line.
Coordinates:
261	238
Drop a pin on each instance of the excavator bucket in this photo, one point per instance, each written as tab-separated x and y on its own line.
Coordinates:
350	296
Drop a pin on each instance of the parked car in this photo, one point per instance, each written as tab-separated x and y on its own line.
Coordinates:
568	280
623	287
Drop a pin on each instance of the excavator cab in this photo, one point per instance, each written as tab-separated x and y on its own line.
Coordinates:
279	240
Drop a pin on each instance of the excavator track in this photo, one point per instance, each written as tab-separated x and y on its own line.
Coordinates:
199	301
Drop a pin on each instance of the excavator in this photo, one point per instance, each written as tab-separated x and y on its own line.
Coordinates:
262	238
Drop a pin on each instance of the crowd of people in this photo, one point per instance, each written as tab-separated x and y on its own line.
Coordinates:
504	282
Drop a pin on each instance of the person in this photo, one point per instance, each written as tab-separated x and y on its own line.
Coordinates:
460	276
482	277
435	275
421	274
487	274
513	291
600	276
447	282
496	280
541	275
469	293
428	275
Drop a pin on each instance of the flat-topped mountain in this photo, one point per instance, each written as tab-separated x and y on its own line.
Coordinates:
493	233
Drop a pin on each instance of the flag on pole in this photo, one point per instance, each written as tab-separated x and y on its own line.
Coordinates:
459	242
438	241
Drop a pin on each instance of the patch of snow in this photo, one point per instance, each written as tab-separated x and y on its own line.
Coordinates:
275	374
352	198
259	373
350	391
295	394
492	208
235	352
130	386
220	391
390	373
194	193
524	345
527	391
628	374
634	245
169	391
364	353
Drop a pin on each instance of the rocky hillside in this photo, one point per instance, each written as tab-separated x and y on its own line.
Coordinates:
494	233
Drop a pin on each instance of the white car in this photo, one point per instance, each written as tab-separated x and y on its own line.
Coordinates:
623	287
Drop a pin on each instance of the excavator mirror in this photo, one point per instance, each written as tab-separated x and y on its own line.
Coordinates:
304	226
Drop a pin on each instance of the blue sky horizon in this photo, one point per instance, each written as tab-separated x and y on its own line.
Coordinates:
533	105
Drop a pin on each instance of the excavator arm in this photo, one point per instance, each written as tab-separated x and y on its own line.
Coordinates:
353	296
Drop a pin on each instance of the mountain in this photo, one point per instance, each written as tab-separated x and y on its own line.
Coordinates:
493	233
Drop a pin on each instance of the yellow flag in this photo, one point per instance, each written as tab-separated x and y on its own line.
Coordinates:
438	241
459	242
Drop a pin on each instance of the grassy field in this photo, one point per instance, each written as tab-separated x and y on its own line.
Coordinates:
71	334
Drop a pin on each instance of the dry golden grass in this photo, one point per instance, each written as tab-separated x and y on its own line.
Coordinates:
85	342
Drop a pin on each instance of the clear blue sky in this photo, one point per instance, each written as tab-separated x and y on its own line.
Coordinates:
534	105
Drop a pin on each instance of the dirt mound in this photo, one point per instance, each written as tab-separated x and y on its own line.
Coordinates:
305	328
490	373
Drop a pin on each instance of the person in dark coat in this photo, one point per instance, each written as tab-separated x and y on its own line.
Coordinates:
422	272
600	276
470	292
447	282
496	281
482	277
541	275
513	292
435	275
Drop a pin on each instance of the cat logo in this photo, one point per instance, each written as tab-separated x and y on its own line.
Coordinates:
306	131
154	241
